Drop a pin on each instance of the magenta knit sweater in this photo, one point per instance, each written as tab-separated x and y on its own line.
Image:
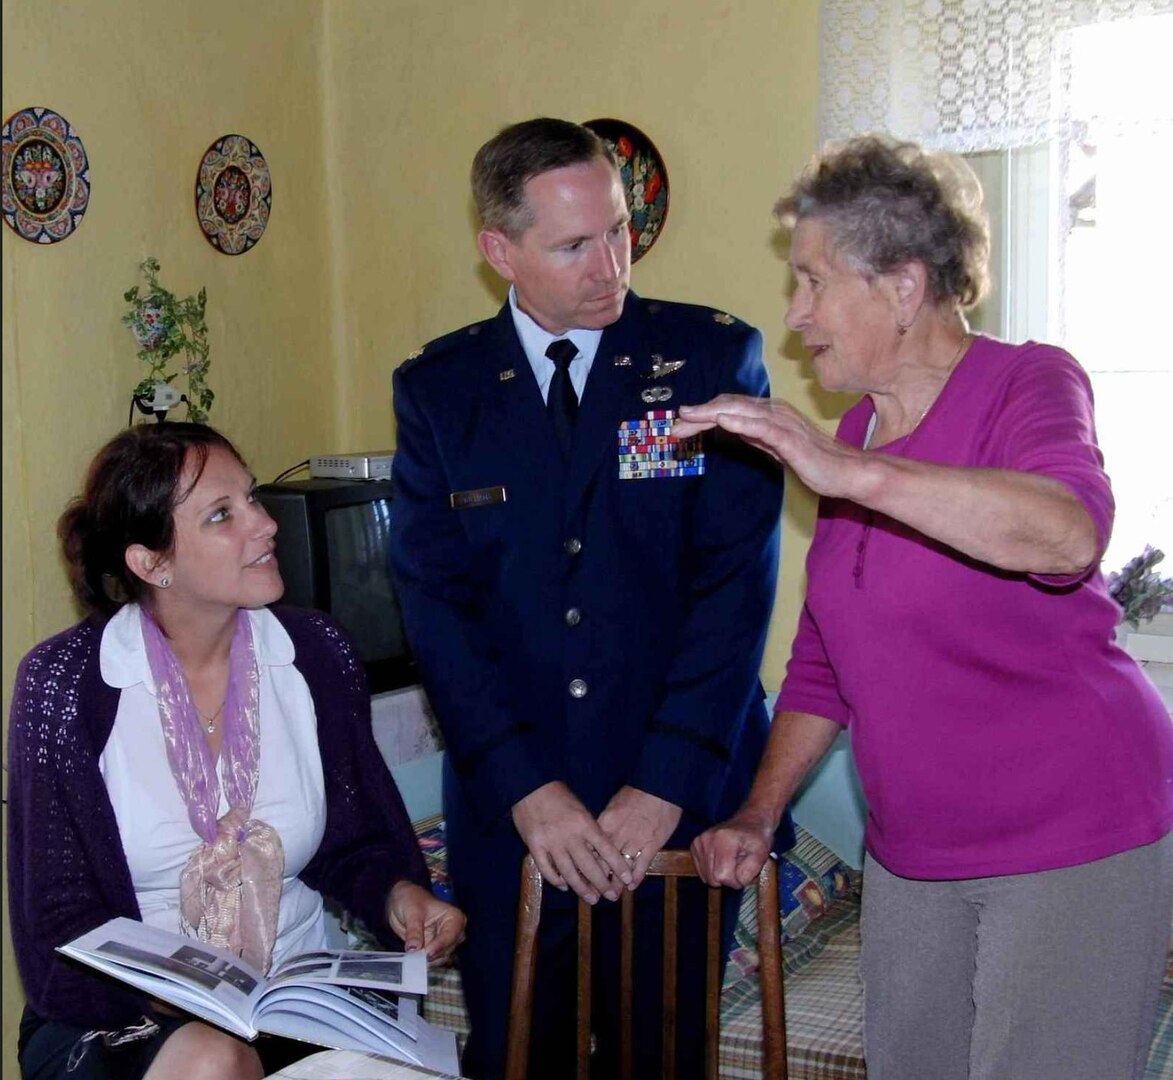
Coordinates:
997	728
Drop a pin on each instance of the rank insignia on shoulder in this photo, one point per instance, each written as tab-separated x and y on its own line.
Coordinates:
662	367
506	375
415	354
724	318
487	496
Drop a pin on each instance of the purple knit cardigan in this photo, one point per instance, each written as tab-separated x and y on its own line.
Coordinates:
67	871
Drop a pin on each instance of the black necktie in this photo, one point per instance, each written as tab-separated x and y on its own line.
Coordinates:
561	401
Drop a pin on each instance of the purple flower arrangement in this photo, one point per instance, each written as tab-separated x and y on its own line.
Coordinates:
1139	590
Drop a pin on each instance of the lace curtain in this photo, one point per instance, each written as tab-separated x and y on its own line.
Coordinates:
971	75
1065	109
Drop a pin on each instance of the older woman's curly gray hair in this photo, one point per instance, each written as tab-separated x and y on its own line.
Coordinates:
888	202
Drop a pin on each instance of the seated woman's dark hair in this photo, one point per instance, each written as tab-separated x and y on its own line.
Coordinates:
131	490
888	202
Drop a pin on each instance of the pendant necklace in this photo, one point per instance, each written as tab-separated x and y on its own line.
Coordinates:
210	721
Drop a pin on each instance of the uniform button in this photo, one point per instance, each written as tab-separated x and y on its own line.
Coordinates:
573	616
578	688
572	546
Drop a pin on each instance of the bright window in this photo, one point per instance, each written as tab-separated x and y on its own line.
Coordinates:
1083	238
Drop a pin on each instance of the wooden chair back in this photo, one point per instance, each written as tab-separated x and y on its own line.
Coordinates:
670	865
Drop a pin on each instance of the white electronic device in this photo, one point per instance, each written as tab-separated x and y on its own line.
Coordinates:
368	465
163	397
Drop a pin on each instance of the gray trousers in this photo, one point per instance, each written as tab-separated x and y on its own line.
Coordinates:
1047	976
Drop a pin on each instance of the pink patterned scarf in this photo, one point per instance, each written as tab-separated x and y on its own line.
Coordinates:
230	889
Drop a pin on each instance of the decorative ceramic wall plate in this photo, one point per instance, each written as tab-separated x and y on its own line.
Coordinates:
645	178
46	175
233	194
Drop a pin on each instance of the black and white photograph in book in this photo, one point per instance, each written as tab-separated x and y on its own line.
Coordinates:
375	969
120	951
219	968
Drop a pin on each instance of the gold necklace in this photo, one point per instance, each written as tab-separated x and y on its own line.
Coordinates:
210	721
966	338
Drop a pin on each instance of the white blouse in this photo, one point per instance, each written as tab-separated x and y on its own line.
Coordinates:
152	817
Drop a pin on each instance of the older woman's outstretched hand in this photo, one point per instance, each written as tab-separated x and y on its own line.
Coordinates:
424	921
733	852
825	464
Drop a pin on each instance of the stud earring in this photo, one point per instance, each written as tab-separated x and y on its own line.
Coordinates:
164	583
901	329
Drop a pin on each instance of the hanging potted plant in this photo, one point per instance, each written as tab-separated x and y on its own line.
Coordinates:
164	326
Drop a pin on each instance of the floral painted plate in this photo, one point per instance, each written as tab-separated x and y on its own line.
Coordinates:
645	178
233	194
46	175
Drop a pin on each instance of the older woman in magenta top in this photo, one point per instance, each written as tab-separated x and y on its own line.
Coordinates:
1018	765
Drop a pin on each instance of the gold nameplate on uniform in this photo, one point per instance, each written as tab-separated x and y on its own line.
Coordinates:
462	500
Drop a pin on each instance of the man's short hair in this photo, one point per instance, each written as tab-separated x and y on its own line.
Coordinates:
516	155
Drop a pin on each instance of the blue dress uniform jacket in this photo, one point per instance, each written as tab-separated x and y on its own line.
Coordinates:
571	625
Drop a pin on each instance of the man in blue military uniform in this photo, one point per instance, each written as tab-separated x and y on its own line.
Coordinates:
587	598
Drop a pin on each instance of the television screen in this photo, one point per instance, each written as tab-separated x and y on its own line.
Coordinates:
332	538
362	598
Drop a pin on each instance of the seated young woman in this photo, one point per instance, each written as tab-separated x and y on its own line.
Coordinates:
192	758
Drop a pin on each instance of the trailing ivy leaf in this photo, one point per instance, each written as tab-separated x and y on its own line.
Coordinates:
185	331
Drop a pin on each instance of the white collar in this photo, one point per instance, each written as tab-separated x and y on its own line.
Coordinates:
123	653
535	340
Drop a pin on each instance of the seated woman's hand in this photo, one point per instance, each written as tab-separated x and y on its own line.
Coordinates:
424	921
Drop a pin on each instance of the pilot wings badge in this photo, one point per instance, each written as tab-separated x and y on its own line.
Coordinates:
662	367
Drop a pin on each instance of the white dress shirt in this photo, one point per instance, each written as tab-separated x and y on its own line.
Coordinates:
535	341
152	816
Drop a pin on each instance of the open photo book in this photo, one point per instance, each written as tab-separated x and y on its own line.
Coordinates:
346	1000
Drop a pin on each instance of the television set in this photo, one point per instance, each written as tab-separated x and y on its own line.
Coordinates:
332	538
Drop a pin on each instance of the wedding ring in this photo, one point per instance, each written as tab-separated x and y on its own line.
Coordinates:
627	856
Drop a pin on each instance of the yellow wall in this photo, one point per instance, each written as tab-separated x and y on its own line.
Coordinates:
368	112
149	85
726	91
